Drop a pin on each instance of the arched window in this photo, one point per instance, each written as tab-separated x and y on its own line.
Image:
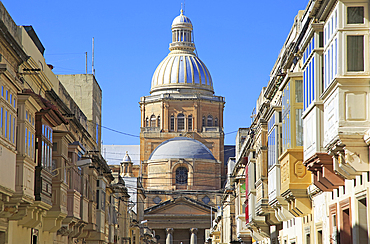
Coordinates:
159	121
190	123
180	122
204	121
146	122
209	120
172	123
216	122
181	176
153	121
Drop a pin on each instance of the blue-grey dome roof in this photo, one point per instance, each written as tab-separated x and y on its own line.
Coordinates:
182	69
181	19
126	158
181	147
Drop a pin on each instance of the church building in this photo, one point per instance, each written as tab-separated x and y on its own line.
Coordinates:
181	143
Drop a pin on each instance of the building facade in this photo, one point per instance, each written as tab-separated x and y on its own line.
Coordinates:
306	155
55	187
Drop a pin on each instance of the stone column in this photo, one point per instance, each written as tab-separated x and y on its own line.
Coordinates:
169	237
193	236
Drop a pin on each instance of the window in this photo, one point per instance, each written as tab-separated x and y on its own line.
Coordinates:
334	230
331	62
10	127
100	195
181	176
286	118
190	123
159	121
307	86
146	122
46	143
204	121
346	228
180	122
216	122
299	127
25	141
32	152
209	120
298	91
153	121
172	123
6	123
34	236
355	15
271	148
355	53
321	39
29	143
319	237
1	120
362	220
272	141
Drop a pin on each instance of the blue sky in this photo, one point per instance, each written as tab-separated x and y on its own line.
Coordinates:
238	40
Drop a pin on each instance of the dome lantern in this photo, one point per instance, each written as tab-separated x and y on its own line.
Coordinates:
182	34
182	70
126	166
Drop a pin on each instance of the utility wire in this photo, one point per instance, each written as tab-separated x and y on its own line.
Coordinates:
120	132
127	134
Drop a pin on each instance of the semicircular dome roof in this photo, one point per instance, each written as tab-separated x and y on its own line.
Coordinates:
181	147
179	70
126	158
181	19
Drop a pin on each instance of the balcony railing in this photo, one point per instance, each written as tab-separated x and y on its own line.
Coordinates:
150	129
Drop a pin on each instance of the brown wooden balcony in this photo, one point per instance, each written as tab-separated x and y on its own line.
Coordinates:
321	166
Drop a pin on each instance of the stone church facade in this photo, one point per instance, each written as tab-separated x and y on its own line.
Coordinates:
181	143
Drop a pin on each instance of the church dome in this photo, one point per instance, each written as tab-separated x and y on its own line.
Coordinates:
181	147
182	71
182	68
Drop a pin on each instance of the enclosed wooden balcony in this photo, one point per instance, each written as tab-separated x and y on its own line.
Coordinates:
321	166
295	179
346	125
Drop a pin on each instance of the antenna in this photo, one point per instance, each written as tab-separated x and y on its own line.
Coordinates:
93	70
86	61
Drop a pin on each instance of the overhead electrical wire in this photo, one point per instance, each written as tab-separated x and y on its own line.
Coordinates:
120	132
128	134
